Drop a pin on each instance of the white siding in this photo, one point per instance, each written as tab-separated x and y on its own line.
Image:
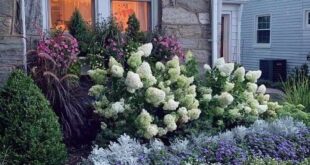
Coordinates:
289	39
306	31
234	47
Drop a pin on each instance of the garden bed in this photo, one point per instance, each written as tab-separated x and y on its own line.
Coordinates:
143	101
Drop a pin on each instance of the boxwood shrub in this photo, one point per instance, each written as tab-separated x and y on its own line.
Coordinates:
29	129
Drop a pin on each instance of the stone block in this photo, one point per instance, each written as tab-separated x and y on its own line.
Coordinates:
202	56
204	18
204	44
172	30
11	56
33	16
5	25
6	8
206	31
165	3
178	16
190	31
195	5
189	43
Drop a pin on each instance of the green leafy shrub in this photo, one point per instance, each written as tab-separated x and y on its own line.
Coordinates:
297	90
107	41
134	98
191	66
133	32
29	129
295	111
79	29
229	96
77	25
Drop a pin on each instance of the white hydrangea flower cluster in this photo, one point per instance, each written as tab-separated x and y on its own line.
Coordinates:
146	49
116	69
155	96
148	129
98	75
235	92
133	82
135	59
110	109
152	88
145	72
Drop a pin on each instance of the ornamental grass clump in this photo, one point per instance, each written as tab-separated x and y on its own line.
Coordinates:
49	66
230	96
297	91
143	99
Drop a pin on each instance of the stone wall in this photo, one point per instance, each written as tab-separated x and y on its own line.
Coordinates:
11	44
33	14
189	21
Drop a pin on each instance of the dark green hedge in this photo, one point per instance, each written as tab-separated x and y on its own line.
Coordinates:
29	129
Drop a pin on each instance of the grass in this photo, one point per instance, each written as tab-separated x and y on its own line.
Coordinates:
297	91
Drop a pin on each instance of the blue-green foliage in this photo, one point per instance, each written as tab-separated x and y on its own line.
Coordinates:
283	140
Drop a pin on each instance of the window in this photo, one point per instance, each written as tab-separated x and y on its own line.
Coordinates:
57	13
307	19
122	9
61	12
263	30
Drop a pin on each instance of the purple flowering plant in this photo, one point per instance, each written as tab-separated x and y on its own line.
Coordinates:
226	152
62	50
294	148
166	47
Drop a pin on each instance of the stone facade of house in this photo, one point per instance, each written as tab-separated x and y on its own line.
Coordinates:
11	43
190	22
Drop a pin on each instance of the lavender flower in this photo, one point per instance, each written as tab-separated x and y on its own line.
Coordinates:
276	146
226	152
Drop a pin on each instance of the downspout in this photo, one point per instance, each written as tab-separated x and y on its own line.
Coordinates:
214	23
24	34
239	35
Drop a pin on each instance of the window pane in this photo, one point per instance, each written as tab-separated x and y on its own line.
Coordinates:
122	9
263	25
263	22
263	36
309	18
61	11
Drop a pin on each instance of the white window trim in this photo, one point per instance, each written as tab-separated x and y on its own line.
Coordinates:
45	15
261	45
306	18
102	11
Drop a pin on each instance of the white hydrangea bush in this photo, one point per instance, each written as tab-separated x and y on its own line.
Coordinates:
141	98
230	96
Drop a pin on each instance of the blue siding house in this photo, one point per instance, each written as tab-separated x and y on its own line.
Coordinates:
275	29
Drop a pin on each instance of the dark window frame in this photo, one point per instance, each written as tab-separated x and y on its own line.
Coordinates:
263	29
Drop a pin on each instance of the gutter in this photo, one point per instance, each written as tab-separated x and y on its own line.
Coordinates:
214	8
24	34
